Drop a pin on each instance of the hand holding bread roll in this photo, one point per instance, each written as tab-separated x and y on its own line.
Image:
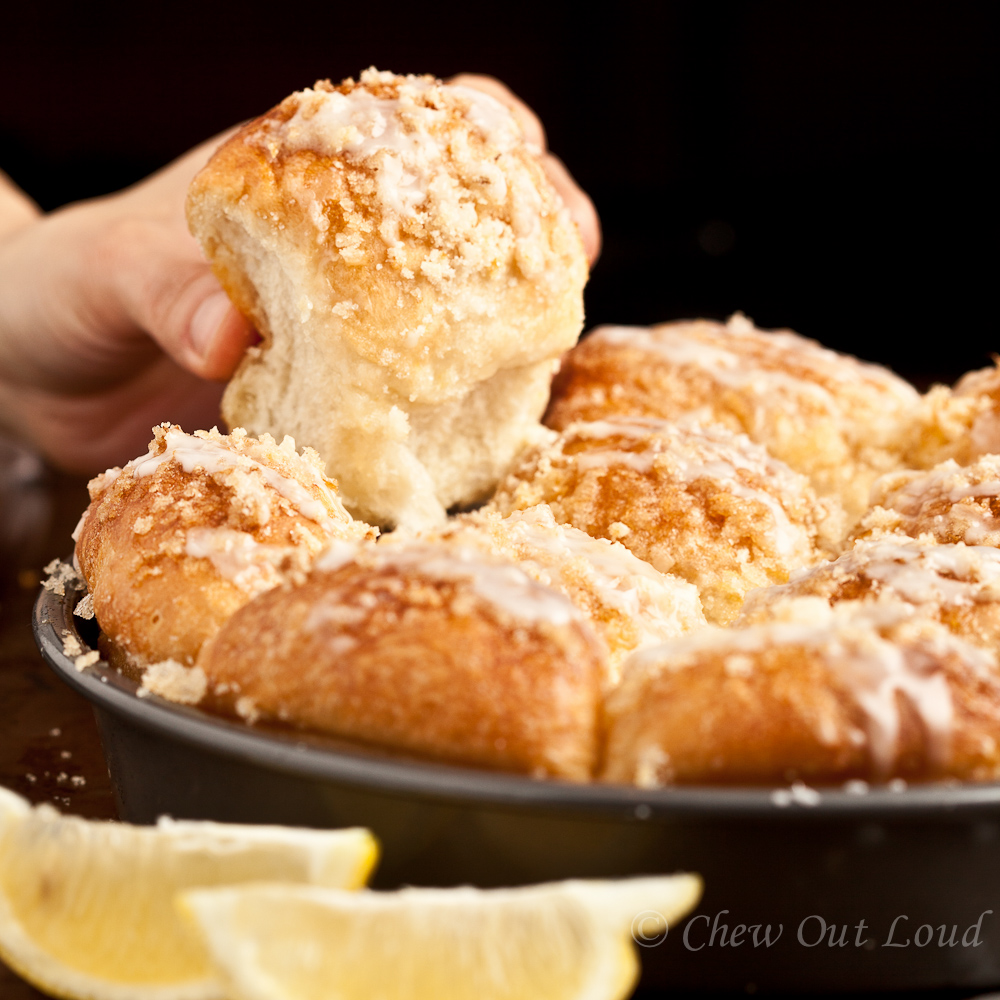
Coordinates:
414	275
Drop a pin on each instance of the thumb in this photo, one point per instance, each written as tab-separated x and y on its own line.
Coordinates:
170	292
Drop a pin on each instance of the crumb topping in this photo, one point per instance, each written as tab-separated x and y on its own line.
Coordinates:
417	160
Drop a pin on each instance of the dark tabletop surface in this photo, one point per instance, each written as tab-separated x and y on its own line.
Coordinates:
49	746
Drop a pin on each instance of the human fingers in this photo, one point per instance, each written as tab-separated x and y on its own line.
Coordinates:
581	208
531	124
86	433
17	210
165	286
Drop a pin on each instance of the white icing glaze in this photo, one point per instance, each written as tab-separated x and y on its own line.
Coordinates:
949	574
705	346
875	669
689	453
953	575
503	585
400	137
192	452
238	557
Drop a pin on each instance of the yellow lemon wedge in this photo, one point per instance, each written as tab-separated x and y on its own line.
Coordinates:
87	909
560	941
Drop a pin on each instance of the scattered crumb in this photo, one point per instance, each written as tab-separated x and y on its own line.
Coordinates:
800	794
78	781
247	709
61	574
55	731
85	607
71	644
87	660
175	682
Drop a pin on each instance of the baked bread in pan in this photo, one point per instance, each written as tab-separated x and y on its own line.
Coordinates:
957	585
734	556
630	604
856	691
949	503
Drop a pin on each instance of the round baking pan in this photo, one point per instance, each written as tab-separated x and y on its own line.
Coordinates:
823	889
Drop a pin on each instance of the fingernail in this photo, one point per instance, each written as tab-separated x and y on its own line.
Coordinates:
207	319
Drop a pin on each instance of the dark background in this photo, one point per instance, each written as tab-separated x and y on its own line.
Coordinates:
823	166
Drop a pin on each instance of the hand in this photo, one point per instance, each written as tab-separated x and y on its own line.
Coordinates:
111	321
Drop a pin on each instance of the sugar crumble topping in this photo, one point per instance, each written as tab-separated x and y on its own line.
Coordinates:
422	160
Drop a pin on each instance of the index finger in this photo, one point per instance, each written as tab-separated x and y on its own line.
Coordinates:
531	124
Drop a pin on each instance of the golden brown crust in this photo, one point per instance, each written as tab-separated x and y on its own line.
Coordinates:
407	655
138	546
703	503
826	415
844	699
957	585
949	504
629	603
961	424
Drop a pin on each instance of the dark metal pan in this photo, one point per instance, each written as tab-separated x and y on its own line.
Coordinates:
896	888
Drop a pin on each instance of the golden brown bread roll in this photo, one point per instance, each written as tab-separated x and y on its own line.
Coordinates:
851	692
180	538
958	585
949	503
630	604
436	650
960	424
827	415
701	502
414	275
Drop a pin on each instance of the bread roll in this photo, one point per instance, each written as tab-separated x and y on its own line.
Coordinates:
949	503
829	416
866	692
957	585
175	542
960	424
701	502
436	650
414	276
630	604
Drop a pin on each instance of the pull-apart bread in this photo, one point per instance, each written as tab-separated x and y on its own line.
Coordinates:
414	276
833	418
957	585
949	503
658	589
172	544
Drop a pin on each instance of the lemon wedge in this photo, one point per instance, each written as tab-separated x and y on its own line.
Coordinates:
87	909
560	941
